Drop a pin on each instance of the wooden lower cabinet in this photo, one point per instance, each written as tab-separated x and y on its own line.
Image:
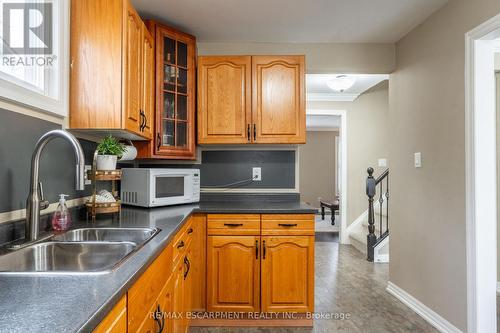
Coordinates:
271	270
287	274
233	273
198	261
187	290
116	320
178	298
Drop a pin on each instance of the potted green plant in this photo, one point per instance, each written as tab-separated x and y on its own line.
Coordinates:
109	150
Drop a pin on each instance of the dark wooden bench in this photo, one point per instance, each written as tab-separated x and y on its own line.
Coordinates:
333	206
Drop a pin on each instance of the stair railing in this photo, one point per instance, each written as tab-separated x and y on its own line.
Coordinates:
372	239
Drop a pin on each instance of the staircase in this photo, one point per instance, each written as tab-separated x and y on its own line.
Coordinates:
375	242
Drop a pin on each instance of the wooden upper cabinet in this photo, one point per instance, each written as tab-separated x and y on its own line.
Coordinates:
132	67
278	105
233	273
106	76
251	99
148	84
224	99
175	87
287	274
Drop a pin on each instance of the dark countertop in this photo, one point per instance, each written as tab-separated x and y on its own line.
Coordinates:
78	303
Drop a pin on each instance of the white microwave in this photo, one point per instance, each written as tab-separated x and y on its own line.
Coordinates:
159	187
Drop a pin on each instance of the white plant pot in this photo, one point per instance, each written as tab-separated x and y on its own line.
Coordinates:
106	162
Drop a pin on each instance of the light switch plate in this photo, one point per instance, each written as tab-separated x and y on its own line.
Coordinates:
256	174
418	160
87	180
382	162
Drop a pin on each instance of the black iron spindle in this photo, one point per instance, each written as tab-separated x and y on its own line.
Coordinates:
381	206
387	205
371	190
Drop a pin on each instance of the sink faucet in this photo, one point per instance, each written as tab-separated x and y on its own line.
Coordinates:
35	201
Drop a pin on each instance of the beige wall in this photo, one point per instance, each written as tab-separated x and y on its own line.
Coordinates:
497	75
427	106
317	167
367	141
320	57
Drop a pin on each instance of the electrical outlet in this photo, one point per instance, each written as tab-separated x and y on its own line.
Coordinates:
382	162
87	180
256	174
418	160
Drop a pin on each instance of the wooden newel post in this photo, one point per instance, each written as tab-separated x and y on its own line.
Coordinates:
371	238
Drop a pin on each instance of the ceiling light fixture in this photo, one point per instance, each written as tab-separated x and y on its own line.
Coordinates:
341	83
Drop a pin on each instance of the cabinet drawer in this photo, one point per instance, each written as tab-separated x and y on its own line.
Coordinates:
143	294
182	240
233	224
287	224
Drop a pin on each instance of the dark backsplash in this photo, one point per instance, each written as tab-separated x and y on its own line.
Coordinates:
18	136
220	167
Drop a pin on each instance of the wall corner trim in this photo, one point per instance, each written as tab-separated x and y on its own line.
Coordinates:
441	324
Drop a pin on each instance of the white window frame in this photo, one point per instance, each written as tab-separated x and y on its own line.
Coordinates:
20	94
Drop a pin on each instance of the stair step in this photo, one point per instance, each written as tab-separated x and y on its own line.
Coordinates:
358	244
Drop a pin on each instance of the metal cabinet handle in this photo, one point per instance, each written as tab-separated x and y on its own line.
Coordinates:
264	249
233	224
159	319
188	267
248	132
158	143
141	122
287	224
256	249
254	132
190	231
180	245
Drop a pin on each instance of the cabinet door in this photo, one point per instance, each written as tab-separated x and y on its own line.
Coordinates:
175	79
287	273
187	289
199	262
224	99
132	68
165	302
278	99
233	273
148	83
178	298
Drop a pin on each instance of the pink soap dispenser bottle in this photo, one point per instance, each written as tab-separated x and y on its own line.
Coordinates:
61	220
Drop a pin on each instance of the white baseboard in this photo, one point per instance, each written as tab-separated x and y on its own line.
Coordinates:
382	258
441	324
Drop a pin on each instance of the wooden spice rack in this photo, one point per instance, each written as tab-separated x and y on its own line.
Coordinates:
94	208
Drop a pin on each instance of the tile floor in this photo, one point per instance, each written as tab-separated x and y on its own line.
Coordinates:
347	284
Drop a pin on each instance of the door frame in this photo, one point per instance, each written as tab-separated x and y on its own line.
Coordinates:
481	175
343	236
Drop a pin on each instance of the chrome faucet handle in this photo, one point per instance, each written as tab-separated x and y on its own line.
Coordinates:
43	203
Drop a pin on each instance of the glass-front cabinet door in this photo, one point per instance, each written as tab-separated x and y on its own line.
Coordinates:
175	56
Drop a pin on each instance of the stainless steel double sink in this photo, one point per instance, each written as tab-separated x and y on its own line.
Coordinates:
78	251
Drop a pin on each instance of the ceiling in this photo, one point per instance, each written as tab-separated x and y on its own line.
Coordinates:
317	90
374	21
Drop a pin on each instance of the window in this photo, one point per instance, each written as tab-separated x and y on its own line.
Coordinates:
34	54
